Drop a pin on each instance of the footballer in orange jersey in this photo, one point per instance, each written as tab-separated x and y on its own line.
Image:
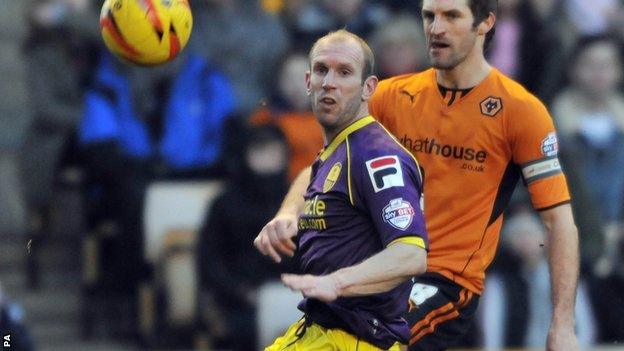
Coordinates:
475	132
473	149
473	144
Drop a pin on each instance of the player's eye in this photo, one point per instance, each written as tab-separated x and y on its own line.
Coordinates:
427	16
452	15
320	69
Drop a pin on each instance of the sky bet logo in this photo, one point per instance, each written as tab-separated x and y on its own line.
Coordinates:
445	150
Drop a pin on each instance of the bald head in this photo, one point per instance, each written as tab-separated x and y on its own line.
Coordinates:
343	35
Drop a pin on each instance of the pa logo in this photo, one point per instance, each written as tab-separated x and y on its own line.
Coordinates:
491	105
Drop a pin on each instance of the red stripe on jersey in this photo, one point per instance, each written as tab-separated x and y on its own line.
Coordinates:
383	162
108	22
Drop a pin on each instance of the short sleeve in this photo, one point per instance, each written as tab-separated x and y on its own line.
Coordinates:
389	189
535	149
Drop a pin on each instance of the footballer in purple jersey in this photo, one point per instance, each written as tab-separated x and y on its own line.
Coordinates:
365	193
360	228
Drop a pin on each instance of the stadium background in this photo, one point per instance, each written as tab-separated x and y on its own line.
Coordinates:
110	245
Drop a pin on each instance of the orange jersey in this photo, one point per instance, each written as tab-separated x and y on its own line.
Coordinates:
473	152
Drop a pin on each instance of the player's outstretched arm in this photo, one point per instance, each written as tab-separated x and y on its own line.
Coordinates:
379	273
275	239
563	259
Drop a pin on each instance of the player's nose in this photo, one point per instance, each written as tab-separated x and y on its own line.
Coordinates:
437	26
329	81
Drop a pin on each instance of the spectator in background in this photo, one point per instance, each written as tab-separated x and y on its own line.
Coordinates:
505	52
234	36
140	125
289	109
590	115
516	303
229	268
308	20
593	17
58	55
529	45
400	46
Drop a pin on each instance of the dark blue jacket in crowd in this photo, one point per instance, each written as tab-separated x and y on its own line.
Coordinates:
199	101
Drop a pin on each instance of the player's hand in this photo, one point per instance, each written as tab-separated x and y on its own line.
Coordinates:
277	237
324	287
562	339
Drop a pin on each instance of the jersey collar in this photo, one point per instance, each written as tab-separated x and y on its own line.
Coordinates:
360	123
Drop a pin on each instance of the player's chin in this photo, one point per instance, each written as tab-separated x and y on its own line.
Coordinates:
438	63
327	119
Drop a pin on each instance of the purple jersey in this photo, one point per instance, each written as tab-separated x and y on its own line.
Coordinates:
364	193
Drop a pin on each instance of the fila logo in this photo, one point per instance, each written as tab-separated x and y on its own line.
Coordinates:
385	172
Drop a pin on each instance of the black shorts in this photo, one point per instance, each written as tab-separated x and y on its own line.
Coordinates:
440	313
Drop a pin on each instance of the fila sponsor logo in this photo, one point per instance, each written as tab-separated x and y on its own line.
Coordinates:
398	213
385	172
432	147
550	145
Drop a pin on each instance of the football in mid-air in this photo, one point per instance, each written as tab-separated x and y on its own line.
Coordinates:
146	32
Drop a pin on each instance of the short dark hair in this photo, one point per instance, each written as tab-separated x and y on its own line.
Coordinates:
369	59
481	10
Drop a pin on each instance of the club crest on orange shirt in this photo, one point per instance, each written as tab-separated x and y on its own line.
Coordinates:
332	177
491	105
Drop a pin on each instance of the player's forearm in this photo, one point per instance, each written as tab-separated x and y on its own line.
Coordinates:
563	250
383	271
293	202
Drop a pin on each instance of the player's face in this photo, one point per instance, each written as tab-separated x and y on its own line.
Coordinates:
335	82
450	34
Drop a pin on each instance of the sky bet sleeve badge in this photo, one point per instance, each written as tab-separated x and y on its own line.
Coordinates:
398	213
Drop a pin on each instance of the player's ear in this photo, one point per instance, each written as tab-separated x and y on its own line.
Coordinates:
307	80
487	24
369	86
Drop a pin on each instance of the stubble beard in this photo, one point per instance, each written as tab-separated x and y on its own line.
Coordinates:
444	65
454	58
344	118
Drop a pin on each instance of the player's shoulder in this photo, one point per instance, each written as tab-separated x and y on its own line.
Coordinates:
410	82
514	95
375	141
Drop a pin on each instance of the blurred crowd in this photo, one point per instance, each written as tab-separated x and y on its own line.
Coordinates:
233	107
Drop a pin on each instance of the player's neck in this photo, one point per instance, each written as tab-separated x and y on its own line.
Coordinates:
468	74
330	133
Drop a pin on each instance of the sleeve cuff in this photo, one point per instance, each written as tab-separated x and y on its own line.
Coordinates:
410	240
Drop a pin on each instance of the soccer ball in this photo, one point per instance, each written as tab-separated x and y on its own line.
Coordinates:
146	32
